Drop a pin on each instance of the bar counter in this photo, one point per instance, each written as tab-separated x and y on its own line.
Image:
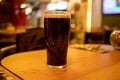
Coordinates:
81	65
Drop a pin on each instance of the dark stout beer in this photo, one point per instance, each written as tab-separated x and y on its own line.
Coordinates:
56	35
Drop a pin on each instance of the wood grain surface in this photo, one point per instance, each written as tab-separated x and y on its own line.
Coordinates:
81	65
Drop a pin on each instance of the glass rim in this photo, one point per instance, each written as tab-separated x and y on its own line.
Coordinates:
57	14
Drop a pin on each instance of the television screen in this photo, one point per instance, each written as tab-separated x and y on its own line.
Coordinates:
111	6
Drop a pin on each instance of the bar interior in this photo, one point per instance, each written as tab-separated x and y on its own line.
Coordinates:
93	46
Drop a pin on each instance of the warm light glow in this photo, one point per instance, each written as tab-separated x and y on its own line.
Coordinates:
53	0
0	0
28	10
74	1
51	6
89	16
23	5
62	5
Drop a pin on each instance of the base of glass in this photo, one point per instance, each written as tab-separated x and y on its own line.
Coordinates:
58	67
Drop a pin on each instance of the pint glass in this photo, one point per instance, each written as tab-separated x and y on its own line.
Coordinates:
56	29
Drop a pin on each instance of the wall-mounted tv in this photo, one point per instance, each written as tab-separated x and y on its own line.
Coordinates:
111	6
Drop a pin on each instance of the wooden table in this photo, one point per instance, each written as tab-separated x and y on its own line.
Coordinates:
81	65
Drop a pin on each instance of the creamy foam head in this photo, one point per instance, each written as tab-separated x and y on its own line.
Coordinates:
57	14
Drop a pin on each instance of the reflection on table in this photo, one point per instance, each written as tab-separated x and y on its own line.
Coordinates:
81	65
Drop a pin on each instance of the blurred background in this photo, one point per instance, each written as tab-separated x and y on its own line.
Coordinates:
92	21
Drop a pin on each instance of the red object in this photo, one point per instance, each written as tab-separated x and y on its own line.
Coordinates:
117	0
19	16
